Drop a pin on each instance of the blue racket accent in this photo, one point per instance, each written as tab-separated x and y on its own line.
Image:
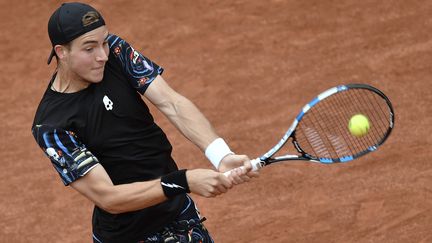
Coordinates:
313	102
325	160
346	158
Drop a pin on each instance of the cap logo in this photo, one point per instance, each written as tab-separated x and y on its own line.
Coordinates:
90	18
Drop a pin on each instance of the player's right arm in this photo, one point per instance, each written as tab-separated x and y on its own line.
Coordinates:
98	187
80	169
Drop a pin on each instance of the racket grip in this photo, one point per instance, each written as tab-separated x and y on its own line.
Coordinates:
256	165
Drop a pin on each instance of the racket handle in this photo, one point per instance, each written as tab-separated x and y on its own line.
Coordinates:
256	165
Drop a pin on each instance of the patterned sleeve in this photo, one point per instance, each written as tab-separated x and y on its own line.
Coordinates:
68	155
140	70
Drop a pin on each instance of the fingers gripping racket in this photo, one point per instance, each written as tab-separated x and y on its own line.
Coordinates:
320	132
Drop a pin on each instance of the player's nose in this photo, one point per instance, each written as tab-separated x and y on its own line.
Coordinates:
102	55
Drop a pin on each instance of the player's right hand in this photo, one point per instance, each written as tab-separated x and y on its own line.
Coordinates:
207	183
240	168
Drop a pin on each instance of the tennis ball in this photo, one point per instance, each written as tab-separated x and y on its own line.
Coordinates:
359	125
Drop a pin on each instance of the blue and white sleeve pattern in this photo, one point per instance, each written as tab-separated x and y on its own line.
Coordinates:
69	156
140	70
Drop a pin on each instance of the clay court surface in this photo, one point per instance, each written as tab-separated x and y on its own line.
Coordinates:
249	66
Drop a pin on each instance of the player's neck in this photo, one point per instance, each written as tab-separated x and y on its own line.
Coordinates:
68	82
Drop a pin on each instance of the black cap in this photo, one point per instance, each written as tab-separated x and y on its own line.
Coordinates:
70	21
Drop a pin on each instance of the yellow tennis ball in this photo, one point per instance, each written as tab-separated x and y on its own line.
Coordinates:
359	125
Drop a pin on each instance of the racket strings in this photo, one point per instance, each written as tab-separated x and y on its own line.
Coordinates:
330	146
323	132
348	147
335	145
367	103
375	114
356	100
383	123
380	116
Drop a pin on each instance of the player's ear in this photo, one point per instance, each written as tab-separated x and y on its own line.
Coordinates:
61	51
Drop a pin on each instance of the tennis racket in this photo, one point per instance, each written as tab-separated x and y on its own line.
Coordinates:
320	131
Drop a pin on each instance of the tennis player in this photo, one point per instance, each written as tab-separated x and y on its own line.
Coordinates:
102	140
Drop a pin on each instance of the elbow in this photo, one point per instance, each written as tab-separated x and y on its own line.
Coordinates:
111	206
111	210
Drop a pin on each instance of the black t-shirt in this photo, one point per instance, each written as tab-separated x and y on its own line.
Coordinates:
108	123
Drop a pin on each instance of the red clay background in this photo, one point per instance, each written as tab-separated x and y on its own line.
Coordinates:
249	66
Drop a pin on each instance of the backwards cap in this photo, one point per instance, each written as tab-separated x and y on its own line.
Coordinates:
70	21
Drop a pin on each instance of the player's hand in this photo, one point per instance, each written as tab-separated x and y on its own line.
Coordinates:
240	166
207	183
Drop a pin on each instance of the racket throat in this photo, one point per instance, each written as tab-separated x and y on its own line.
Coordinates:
297	147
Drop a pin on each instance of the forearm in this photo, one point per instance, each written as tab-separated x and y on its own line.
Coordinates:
190	122
98	187
133	196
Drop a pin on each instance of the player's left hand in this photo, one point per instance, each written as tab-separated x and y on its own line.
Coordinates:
239	174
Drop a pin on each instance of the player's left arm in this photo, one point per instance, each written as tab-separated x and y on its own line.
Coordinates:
189	120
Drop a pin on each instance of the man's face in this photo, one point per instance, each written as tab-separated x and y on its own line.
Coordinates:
87	55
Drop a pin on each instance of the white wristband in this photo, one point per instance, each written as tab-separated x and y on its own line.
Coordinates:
216	151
